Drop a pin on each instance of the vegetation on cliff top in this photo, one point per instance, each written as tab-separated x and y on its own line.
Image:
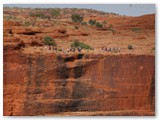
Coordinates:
49	41
130	47
77	18
76	43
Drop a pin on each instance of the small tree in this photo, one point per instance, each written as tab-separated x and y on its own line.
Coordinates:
39	15
136	29
92	22
130	47
99	25
77	18
76	43
27	23
54	12
49	41
84	23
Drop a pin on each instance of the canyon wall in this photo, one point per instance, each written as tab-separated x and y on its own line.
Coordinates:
79	84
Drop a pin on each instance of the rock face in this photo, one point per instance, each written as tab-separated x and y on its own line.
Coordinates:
38	81
80	84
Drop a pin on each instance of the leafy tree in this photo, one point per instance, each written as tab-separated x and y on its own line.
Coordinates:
99	25
92	22
130	47
77	18
76	43
8	17
27	23
40	15
49	41
84	23
136	29
55	12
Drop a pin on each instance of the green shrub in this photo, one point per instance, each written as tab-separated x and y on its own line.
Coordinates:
55	12
40	15
49	41
8	17
60	49
130	47
76	43
92	22
136	29
99	25
27	23
84	23
77	18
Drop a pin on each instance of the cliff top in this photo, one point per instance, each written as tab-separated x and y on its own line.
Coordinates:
27	28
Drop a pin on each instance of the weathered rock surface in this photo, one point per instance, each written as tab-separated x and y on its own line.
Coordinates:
94	82
80	84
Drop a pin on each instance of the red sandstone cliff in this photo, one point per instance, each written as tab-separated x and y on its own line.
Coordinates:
39	82
82	84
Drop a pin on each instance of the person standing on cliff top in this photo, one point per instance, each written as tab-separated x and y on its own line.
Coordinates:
56	49
49	47
45	47
79	49
73	49
63	50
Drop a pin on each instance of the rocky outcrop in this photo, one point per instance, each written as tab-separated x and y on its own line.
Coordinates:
80	84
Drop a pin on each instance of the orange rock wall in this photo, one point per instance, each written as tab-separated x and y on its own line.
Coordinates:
53	84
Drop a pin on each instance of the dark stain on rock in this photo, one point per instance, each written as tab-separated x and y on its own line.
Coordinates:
33	88
80	56
61	92
62	72
19	46
78	71
81	90
70	106
34	43
59	58
69	59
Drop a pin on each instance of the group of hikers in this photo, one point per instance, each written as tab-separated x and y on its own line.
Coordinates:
79	49
63	50
112	49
